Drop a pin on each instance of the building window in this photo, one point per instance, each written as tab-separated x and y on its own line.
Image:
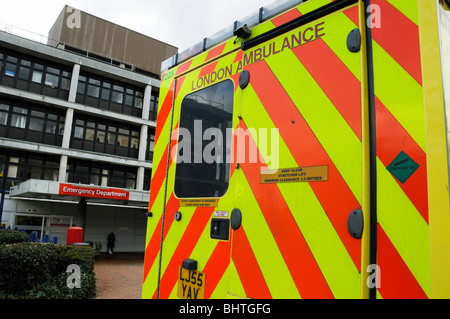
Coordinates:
54	125
95	176
37	121
90	131
112	135
11	66
123	137
105	137
29	73
130	180
34	168
79	129
101	133
37	77
24	70
93	88
4	112
109	94
138	99
51	80
134	140
80	174
2	166
19	117
86	172
153	106
117	178
1	61
117	94
51	171
106	91
147	179
105	174
31	123
81	87
17	167
150	145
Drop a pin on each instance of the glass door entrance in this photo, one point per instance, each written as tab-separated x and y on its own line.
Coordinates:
53	226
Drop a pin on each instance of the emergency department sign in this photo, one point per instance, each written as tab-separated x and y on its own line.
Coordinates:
93	192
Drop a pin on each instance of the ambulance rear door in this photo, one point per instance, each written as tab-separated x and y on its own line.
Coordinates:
299	178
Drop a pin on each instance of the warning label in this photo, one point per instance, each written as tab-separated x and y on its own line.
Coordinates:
295	175
201	202
402	167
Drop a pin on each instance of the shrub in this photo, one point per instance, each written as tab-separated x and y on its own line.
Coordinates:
38	270
12	236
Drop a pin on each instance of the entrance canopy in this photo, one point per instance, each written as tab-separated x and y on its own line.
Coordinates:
40	189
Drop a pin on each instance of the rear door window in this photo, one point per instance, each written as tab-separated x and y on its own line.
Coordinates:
204	142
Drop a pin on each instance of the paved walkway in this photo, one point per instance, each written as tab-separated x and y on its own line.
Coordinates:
119	276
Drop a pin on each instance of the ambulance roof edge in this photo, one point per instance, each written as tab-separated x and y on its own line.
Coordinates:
263	14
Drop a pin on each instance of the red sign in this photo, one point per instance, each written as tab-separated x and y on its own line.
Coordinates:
93	192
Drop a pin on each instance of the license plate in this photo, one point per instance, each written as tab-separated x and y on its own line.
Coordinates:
191	284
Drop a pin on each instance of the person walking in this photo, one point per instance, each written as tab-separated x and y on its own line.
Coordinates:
111	240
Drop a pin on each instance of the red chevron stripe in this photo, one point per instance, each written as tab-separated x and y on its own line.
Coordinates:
152	250
164	111
157	182
184	67
216	266
184	249
158	179
238	56
153	246
304	270
180	82
391	140
247	267
325	67
160	174
208	69
220	258
215	52
335	196
396	280
398	36
286	17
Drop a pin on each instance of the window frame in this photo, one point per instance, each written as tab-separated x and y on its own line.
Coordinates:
183	172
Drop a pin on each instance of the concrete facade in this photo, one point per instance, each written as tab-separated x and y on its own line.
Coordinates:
107	117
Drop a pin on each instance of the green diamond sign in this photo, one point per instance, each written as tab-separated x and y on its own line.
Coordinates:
402	167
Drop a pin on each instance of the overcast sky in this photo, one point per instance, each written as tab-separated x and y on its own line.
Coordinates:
181	23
